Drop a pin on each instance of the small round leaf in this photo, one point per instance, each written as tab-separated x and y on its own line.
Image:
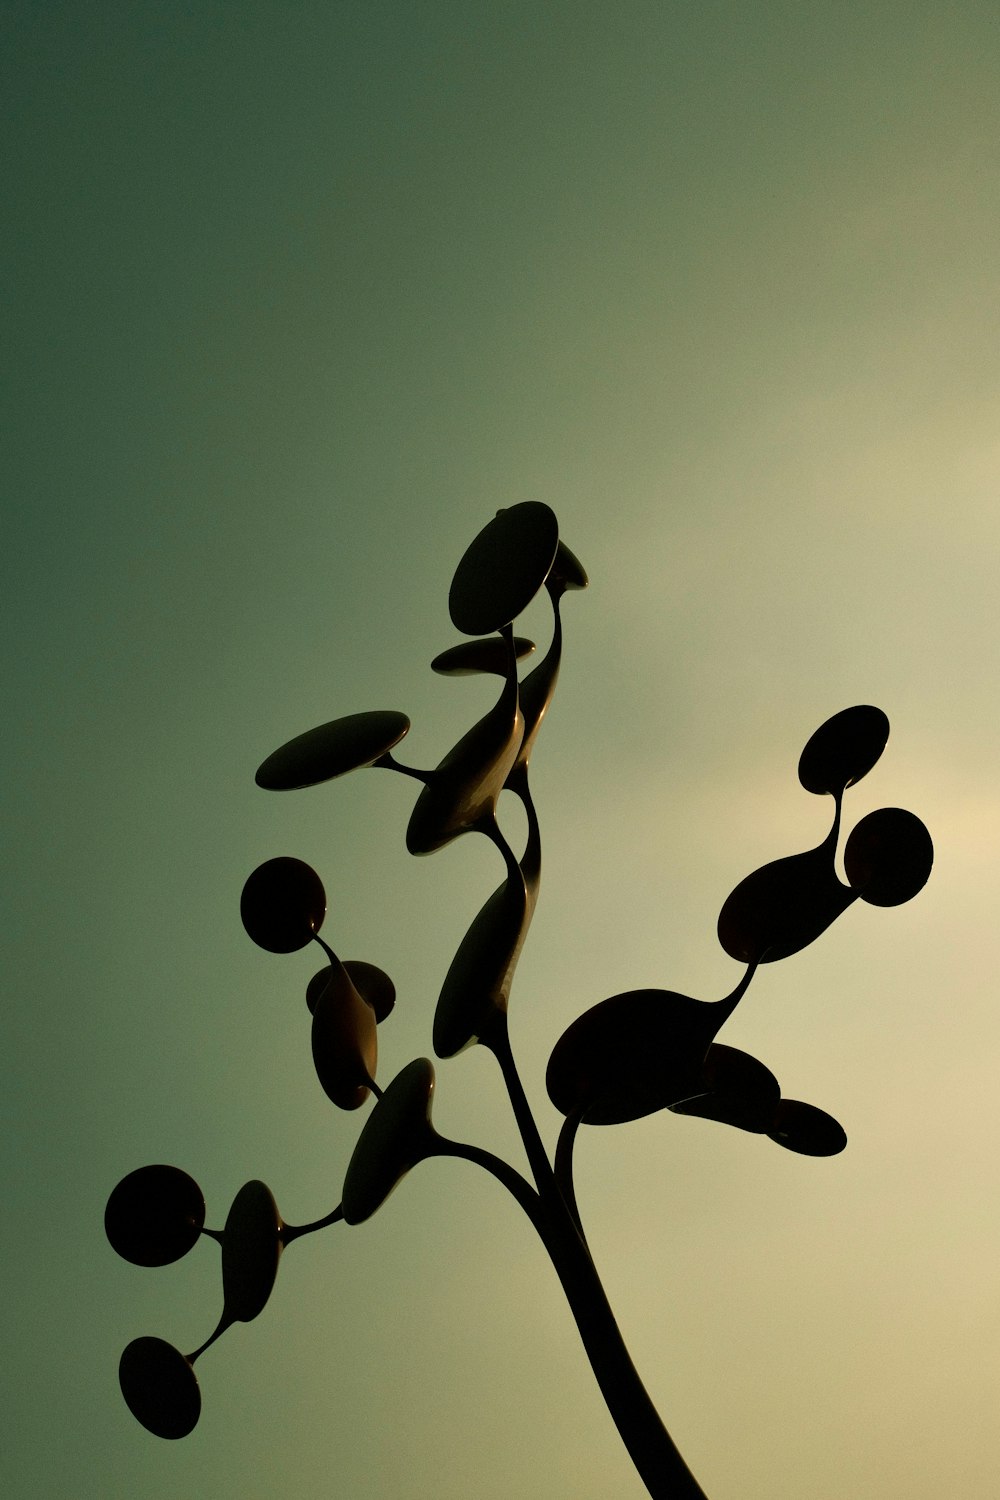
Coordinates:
154	1215
888	856
283	904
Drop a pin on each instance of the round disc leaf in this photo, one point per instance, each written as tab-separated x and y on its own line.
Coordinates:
888	856
283	904
160	1387
504	568
154	1215
843	749
331	750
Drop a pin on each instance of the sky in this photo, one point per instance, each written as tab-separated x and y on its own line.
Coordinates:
297	296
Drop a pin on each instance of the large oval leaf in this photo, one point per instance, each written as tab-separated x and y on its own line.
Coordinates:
783	907
332	749
631	1055
503	569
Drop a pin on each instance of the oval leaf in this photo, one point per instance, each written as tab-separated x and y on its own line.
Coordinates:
397	1134
462	792
806	1129
843	749
631	1055
782	907
503	569
160	1387
251	1248
487	655
331	750
737	1090
480	975
344	1041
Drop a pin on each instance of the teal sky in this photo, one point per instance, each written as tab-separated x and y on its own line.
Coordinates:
298	295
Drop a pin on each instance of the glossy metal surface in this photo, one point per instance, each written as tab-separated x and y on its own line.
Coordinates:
331	750
461	794
372	984
344	1040
471	658
630	1055
479	978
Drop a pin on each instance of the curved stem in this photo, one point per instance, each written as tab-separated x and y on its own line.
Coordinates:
291	1232
564	1166
497	1039
512	1180
390	764
650	1446
729	1003
226	1321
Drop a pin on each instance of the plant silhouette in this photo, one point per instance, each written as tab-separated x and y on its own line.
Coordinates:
627	1056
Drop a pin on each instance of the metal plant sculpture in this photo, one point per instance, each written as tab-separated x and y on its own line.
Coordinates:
630	1055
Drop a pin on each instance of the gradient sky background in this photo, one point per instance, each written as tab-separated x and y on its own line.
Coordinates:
299	295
